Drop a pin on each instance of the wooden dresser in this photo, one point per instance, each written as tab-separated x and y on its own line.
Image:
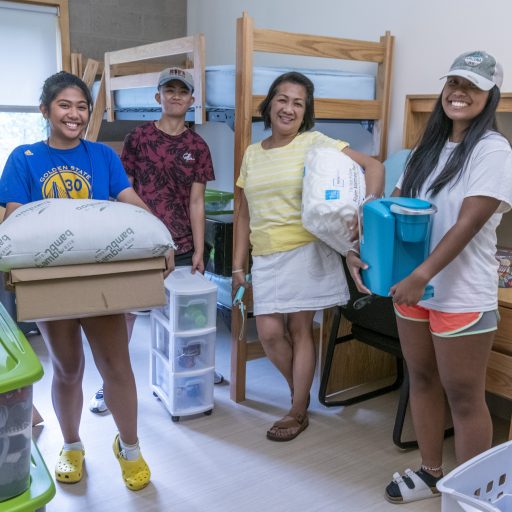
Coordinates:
418	108
499	369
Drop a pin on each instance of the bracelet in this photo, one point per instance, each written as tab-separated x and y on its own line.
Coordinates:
369	197
439	469
355	251
237	270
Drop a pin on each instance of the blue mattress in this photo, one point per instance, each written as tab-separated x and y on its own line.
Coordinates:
220	84
220	87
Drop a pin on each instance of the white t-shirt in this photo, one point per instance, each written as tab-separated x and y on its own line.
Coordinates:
470	281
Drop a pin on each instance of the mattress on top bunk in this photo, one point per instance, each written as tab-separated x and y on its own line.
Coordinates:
220	84
220	87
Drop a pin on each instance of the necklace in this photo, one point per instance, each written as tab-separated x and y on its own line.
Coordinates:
51	151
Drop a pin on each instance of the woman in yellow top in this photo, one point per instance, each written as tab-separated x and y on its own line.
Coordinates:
293	274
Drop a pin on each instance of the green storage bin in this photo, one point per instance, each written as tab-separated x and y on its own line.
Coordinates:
41	489
217	201
19	369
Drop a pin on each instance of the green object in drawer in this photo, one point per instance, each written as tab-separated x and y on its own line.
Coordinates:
216	200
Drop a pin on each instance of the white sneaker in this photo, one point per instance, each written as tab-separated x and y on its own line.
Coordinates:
97	404
218	378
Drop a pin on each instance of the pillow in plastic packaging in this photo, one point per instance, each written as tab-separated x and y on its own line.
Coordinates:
55	232
333	189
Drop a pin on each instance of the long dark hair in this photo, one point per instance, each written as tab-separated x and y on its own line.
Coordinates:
295	78
423	160
56	83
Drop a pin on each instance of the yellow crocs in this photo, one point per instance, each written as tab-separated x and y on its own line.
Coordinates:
68	469
136	473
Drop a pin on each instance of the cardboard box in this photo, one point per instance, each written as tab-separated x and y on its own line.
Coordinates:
95	289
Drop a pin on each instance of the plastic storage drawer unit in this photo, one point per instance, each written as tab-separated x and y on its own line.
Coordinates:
182	360
19	369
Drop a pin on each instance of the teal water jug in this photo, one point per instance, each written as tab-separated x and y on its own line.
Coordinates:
394	240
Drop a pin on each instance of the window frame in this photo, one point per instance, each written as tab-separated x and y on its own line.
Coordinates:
63	16
63	21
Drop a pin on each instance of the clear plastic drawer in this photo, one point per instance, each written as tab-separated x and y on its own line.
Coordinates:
191	393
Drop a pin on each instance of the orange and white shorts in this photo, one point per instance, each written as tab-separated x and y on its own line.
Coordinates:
447	325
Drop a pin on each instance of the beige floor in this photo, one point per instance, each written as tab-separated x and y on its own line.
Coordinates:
223	462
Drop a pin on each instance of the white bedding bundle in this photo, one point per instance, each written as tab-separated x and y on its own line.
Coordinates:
333	189
54	232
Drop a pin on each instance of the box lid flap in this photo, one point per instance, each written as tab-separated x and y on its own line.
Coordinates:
19	365
83	270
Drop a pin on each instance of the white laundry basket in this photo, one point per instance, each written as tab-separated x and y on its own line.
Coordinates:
483	483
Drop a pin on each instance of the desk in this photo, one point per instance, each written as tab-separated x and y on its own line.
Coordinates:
499	368
356	364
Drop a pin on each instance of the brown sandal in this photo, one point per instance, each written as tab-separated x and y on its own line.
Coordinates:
288	428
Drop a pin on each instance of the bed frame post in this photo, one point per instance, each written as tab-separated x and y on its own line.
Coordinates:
109	95
243	131
383	93
93	128
76	64
88	74
199	79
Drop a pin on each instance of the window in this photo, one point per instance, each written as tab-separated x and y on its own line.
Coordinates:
19	128
34	43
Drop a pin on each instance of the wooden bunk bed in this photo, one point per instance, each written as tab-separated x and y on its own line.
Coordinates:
123	69
139	67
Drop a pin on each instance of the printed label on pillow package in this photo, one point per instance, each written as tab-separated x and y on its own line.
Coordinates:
332	194
71	231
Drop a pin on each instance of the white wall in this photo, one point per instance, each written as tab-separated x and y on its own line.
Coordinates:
428	34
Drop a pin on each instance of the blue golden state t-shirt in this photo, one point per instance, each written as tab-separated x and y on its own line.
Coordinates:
35	171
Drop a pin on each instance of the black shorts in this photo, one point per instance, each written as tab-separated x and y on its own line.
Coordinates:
183	260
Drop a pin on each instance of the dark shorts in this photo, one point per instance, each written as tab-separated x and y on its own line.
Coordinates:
183	260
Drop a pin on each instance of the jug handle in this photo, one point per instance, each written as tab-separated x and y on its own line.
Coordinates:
396	208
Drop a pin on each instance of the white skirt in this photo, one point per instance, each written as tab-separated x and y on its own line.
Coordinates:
307	278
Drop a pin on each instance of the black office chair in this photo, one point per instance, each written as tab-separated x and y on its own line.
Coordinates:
372	322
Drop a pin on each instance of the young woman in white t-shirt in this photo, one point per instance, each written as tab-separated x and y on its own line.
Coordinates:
463	166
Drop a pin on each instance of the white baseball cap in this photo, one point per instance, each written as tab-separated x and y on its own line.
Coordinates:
480	68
